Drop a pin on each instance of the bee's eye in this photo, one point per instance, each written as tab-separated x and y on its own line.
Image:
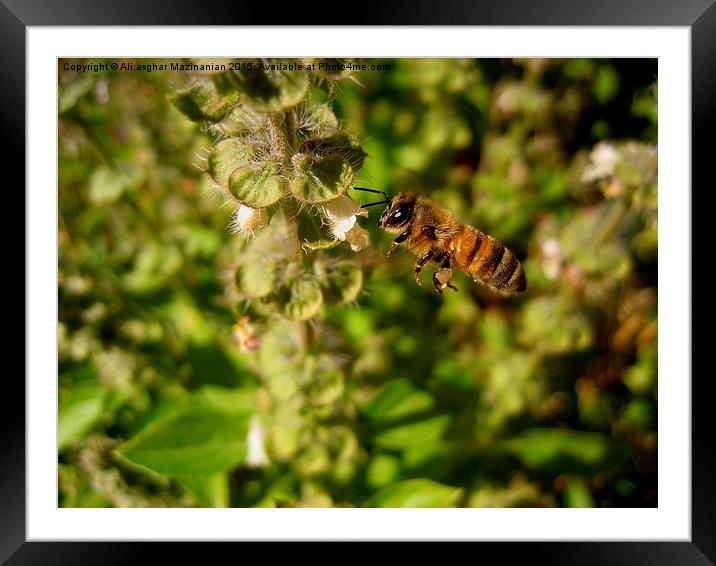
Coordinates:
397	214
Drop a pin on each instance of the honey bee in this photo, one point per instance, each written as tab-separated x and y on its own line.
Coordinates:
432	232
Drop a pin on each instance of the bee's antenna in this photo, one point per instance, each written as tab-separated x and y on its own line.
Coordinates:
372	191
375	203
386	201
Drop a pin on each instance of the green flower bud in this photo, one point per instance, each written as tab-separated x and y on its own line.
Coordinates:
343	283
313	460
303	298
269	89
281	351
226	157
325	380
240	120
320	180
256	278
201	102
338	144
259	186
316	115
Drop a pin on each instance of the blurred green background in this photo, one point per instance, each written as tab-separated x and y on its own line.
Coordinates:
174	392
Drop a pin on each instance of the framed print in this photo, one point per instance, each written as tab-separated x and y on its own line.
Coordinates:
348	283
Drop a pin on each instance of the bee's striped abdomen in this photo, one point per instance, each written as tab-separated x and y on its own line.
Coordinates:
489	262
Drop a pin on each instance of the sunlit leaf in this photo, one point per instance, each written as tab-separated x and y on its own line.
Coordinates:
425	431
397	399
563	450
195	442
80	408
577	493
230	400
415	493
211	490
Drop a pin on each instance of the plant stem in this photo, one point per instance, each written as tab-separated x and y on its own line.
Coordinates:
279	139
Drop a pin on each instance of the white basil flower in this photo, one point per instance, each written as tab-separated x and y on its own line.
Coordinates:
341	214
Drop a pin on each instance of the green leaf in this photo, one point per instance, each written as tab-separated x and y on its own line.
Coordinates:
425	431
258	186
165	405
283	489
397	399
577	493
641	378
226	157
563	450
382	470
210	491
198	441
320	180
639	414
80	408
606	83
228	399
415	493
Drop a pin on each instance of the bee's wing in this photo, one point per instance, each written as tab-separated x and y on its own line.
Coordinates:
408	180
399	264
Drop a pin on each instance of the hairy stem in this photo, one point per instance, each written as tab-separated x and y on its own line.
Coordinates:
279	139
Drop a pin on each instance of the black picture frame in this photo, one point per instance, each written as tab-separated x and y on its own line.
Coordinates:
698	15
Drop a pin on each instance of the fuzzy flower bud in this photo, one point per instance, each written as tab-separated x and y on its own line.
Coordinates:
247	219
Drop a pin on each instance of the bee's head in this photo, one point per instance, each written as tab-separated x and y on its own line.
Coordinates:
398	214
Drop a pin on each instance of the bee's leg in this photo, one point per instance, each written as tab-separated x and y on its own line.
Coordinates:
420	264
399	240
442	276
437	285
446	266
